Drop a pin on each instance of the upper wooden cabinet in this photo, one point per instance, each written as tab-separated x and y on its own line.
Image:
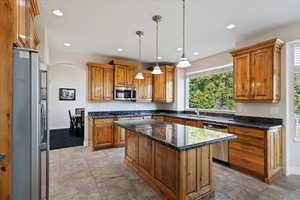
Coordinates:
100	82
144	87
257	72
164	85
25	12
124	73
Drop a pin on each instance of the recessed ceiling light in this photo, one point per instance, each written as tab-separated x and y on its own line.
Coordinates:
196	53
179	49
159	57
230	26
67	44
57	12
120	50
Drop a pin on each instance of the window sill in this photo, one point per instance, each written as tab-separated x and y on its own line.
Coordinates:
297	139
212	111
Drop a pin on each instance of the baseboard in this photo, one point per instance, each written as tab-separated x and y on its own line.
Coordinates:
293	170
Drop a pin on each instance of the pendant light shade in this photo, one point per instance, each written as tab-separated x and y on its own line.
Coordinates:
140	75
183	61
156	69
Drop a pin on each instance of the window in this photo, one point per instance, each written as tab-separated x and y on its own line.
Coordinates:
297	87
212	91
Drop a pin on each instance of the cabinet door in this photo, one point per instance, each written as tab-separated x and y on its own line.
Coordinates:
103	133
130	74
119	134
169	90
159	86
131	148
262	74
140	92
120	76
30	28
108	76
96	86
148	87
21	17
242	77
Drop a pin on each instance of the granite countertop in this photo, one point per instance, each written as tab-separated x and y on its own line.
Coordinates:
1	157
251	122
176	136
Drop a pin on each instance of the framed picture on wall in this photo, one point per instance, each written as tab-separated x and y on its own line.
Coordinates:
67	94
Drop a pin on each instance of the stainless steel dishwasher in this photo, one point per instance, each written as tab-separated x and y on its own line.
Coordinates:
220	150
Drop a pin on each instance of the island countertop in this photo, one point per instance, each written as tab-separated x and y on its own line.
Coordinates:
177	136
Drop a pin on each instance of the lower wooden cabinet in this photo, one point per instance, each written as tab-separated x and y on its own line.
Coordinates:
174	175
194	123
158	117
257	152
174	120
119	134
103	133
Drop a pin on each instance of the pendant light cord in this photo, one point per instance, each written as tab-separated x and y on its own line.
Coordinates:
157	43
183	30
140	49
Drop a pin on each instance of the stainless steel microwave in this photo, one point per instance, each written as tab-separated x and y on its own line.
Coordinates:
124	94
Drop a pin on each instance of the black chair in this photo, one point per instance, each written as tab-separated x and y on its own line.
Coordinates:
72	123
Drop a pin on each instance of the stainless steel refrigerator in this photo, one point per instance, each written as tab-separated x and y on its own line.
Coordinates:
30	135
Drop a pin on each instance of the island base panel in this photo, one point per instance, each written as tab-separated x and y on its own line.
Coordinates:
175	175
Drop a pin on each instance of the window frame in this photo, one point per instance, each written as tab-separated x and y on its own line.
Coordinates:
296	69
214	70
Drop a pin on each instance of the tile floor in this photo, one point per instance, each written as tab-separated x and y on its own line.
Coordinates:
78	174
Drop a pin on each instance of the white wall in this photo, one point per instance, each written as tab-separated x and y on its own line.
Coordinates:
287	33
69	70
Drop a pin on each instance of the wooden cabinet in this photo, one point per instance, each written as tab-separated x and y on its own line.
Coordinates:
173	174
124	73
257	72
174	120
144	87
24	23
164	85
257	152
102	133
119	134
100	82
131	148
194	123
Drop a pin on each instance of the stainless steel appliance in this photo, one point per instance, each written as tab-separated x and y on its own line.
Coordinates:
124	94
30	137
220	150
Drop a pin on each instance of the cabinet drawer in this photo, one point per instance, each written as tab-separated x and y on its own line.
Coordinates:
246	148
158	118
174	120
104	121
247	131
259	142
194	123
247	161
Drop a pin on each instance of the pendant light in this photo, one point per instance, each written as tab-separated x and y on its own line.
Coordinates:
183	60
140	75
156	69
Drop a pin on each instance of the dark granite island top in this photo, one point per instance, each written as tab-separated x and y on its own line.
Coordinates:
176	136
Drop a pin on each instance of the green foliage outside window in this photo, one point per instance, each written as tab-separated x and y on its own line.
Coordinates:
212	92
297	93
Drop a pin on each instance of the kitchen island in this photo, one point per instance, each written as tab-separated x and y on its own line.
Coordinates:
176	160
